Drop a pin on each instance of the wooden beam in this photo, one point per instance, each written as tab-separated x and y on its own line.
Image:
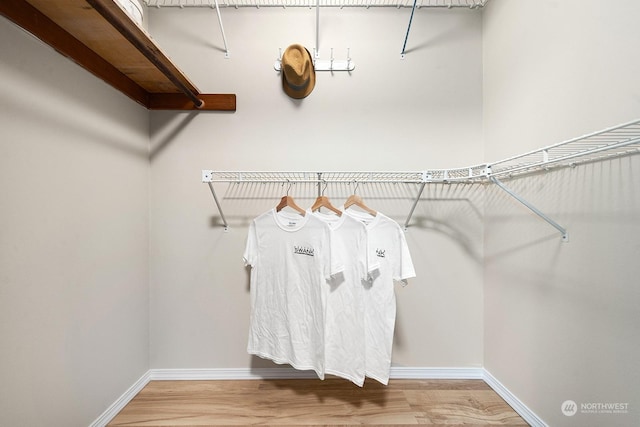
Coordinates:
178	101
32	20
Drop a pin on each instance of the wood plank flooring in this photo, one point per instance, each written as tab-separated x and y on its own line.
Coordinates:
314	402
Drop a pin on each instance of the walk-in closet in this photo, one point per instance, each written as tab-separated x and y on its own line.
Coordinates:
153	156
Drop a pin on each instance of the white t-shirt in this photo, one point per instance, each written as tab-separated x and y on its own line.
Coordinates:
290	259
344	315
387	245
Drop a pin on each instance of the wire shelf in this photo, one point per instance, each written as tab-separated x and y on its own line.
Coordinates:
313	177
613	142
609	143
468	174
470	4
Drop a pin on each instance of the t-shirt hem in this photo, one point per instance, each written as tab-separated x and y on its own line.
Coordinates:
359	381
384	380
284	361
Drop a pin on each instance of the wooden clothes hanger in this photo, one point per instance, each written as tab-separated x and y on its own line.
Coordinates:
355	200
323	202
287	200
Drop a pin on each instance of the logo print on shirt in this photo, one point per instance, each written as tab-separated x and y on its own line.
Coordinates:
302	250
380	253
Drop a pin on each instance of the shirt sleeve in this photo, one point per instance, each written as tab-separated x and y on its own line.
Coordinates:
405	269
251	249
336	264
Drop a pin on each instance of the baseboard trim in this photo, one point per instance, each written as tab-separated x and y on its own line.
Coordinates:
523	410
397	372
290	373
229	374
122	401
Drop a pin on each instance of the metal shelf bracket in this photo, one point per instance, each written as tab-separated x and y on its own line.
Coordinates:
425	178
207	176
227	53
561	229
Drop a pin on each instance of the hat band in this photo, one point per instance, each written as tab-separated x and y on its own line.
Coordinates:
298	87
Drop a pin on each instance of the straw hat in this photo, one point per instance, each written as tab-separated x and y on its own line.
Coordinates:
298	74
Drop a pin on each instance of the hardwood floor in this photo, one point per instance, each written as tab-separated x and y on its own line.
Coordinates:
315	402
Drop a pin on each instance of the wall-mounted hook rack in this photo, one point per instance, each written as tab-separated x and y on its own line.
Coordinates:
330	64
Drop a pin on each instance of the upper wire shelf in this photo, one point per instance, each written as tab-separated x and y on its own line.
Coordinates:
471	4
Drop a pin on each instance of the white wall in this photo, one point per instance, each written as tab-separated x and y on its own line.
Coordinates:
388	114
558	320
561	319
73	238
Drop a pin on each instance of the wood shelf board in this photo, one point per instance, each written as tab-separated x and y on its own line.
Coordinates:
84	23
78	31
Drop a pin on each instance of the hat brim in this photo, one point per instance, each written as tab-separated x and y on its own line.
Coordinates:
296	92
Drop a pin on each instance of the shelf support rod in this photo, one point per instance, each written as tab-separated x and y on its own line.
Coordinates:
561	229
224	39
224	220
415	203
413	9
317	50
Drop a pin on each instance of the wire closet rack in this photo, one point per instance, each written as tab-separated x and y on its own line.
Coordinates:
471	4
617	141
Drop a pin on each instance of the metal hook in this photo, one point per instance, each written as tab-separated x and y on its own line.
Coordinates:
356	186
288	188
325	186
